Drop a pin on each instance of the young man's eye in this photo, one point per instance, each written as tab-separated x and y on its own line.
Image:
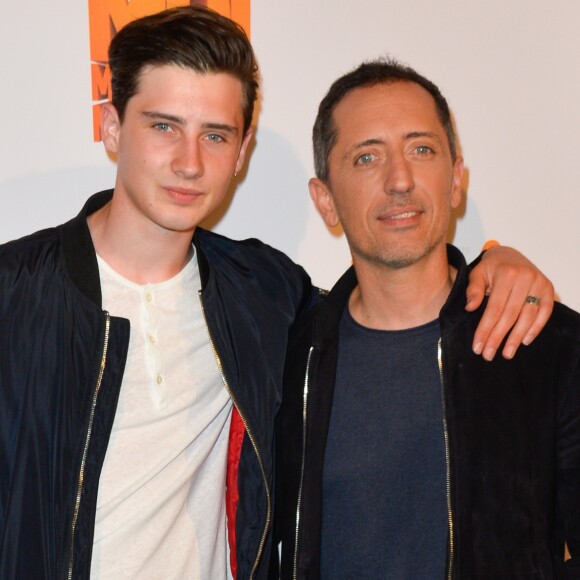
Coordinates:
365	159
215	138
162	127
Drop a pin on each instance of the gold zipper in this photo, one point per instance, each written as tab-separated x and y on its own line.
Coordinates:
87	442
251	437
300	487
447	463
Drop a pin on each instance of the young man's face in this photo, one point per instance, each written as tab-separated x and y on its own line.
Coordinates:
392	182
179	144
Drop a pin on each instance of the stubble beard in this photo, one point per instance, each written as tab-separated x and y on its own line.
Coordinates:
387	258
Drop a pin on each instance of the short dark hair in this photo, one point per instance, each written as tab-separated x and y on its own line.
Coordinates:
191	37
368	74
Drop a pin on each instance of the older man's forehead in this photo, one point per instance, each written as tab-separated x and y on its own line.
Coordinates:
404	105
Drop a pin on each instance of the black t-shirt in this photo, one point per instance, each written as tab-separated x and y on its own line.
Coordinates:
384	498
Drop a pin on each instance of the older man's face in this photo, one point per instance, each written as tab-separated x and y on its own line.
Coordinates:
392	182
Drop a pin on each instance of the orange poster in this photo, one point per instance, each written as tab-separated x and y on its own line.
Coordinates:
106	17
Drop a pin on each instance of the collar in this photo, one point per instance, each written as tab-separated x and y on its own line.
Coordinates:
331	308
79	251
81	257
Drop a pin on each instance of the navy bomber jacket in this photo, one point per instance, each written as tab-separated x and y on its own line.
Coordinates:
513	443
61	366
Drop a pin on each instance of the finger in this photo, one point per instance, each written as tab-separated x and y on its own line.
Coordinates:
533	316
507	301
525	322
476	290
545	308
485	339
525	319
501	326
544	313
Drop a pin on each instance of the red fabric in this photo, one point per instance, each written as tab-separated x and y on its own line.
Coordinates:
237	431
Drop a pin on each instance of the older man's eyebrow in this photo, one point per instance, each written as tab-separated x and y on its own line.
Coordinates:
377	141
367	142
418	134
362	144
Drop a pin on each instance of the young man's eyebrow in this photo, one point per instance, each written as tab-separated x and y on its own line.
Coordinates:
163	117
156	115
221	127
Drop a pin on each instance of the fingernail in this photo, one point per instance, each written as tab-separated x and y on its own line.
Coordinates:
478	348
528	339
489	353
509	353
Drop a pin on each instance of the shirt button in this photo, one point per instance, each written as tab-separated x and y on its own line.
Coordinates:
151	339
159	379
148	297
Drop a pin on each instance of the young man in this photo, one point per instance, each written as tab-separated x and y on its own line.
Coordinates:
141	357
401	454
116	433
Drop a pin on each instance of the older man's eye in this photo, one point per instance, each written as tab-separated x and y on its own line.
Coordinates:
365	158
423	150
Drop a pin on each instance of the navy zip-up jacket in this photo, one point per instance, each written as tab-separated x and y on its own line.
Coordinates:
513	440
61	365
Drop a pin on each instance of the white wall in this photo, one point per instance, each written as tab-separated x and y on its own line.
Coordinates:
509	68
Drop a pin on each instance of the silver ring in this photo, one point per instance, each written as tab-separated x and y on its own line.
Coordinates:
531	299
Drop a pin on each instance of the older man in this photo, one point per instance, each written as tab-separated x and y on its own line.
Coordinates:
401	453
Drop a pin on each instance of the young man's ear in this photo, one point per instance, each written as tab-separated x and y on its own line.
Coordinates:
322	199
110	127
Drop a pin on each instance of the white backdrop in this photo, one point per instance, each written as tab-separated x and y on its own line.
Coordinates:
510	70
